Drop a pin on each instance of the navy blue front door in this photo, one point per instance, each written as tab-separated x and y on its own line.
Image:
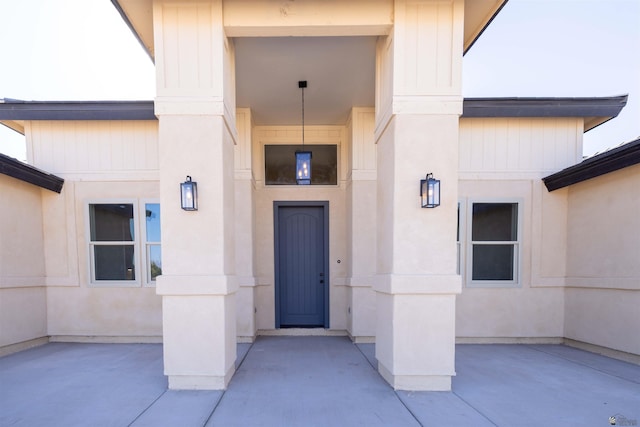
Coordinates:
300	256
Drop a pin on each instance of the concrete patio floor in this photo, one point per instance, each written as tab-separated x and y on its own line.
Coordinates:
315	381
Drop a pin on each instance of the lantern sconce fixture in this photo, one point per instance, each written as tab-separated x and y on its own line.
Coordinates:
189	195
303	158
430	191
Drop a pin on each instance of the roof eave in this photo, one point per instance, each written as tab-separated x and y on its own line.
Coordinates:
12	111
24	172
595	111
601	164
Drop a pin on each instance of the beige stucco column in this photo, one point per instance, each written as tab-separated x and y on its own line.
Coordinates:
417	109
196	111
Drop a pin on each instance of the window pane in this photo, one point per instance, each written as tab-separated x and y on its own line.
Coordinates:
152	213
495	222
111	222
114	262
493	262
280	164
155	261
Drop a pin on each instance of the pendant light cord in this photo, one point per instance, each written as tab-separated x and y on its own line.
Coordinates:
302	118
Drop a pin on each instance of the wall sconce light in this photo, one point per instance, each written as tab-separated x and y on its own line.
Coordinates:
189	195
303	158
430	191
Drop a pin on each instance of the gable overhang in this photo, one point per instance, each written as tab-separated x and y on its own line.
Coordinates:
593	111
138	15
610	161
27	173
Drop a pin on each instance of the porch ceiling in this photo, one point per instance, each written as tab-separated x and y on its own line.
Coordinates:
340	70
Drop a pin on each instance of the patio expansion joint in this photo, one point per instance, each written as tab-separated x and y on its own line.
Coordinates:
586	365
474	408
147	408
407	408
225	391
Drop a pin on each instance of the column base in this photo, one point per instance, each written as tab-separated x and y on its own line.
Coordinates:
415	382
200	382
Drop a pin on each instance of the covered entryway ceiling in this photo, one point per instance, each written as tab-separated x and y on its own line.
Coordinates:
340	72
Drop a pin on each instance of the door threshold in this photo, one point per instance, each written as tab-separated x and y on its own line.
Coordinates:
300	332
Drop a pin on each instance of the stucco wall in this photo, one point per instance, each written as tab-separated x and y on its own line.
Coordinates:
23	310
534	307
603	268
264	226
101	162
77	308
504	159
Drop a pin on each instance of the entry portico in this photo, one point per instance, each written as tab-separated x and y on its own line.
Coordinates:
218	272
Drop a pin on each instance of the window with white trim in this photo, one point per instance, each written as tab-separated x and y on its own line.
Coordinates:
153	250
493	244
115	240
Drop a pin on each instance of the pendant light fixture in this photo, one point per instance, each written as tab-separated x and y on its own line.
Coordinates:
303	158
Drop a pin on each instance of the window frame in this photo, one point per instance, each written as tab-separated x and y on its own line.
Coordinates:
264	145
461	239
469	243
139	243
146	244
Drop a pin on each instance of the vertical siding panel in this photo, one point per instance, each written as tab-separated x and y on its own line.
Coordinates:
513	144
36	145
464	153
548	147
95	148
489	152
117	158
537	145
59	146
129	146
477	146
444	70
105	148
205	47
83	134
187	48
411	45
501	145
151	134
171	48
524	154
139	146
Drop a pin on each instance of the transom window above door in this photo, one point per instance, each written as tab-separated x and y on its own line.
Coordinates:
280	164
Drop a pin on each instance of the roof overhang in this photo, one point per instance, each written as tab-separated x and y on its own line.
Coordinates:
612	160
27	173
138	15
14	112
594	111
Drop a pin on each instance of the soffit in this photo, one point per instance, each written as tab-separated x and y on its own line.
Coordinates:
340	70
138	14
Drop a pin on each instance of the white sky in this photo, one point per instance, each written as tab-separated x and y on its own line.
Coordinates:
82	50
